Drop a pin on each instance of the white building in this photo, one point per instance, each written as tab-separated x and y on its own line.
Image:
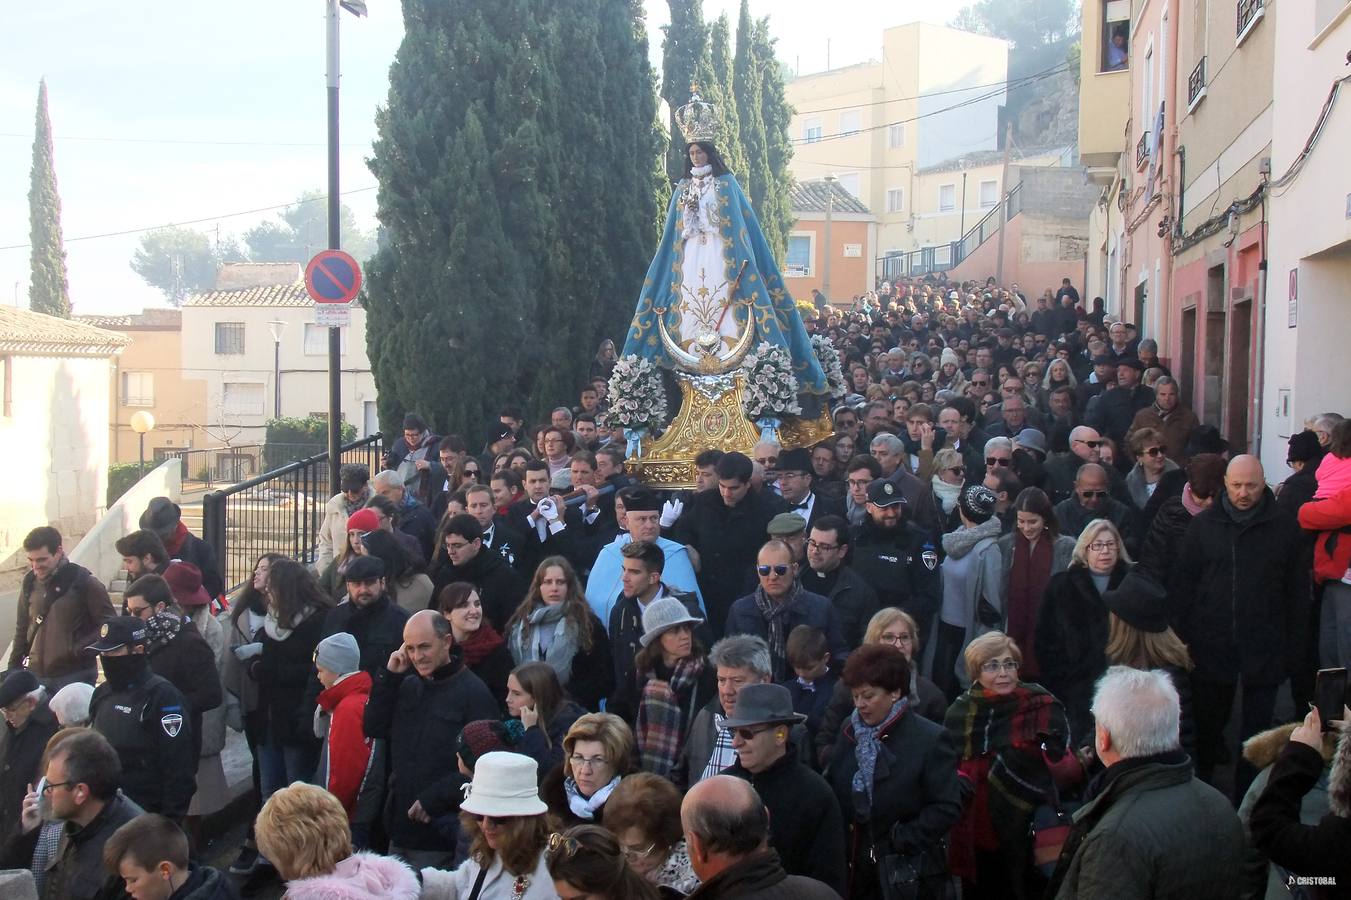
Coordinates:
1305	367
55	376
255	333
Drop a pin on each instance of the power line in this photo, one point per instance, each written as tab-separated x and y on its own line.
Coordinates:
1057	68
245	212
184	142
968	102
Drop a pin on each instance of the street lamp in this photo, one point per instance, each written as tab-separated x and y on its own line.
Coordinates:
277	327
830	209
141	422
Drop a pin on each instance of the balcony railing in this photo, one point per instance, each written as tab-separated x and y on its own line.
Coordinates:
1142	151
1249	12
1196	84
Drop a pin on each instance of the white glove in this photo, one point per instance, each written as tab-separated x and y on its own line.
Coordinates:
547	509
670	511
246	652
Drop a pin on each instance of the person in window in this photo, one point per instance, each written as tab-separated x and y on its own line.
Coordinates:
1118	54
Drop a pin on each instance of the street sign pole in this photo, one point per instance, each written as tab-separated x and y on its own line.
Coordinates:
334	243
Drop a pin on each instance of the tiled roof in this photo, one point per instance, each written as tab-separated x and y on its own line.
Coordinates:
978	158
25	331
810	196
269	295
150	318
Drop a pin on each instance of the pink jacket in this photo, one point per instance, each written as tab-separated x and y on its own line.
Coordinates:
361	876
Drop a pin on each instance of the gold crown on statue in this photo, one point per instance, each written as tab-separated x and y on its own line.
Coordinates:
696	119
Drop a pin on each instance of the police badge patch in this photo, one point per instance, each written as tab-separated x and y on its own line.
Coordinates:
172	724
930	559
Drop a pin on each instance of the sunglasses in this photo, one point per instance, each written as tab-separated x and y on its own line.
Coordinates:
991	461
957	470
1091	495
473	472
495	821
777	570
1091	444
1153	451
748	734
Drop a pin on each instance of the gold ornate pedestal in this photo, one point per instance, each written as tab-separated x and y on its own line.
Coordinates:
711	417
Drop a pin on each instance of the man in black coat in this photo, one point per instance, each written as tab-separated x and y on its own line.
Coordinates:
727	528
497	534
500	587
28	726
420	703
897	558
805	825
1242	604
1090	501
796	482
1063	468
165	518
854	600
1115	410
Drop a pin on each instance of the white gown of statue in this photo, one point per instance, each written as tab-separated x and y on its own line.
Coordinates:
704	277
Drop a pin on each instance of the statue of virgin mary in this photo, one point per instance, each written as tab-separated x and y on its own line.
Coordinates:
713	290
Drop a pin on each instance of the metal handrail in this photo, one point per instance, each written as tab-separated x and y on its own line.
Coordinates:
931	259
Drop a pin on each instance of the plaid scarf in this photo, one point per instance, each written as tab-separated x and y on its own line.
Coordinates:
1020	729
661	730
161	628
776	632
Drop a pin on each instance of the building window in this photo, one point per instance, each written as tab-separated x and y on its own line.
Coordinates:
895	200
316	340
811	130
851	120
138	389
229	337
6	386
947	197
799	259
849	181
989	193
1116	36
243	398
895	136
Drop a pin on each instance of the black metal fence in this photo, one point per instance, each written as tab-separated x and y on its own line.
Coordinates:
276	512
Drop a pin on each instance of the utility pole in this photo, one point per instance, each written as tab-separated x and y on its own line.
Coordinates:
1003	203
830	209
334	243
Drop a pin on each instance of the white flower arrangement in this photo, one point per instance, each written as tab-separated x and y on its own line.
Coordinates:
771	387
829	358
636	396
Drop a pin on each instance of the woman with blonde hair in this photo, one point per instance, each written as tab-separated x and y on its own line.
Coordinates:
508	830
1010	736
555	624
597	754
1072	626
302	830
895	628
949	474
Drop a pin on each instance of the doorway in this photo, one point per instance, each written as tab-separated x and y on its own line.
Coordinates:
1240	355
1186	368
1212	361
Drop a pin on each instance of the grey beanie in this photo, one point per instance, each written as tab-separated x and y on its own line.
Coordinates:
338	653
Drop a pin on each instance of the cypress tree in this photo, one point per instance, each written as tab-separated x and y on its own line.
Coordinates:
684	47
48	288
746	79
719	92
775	212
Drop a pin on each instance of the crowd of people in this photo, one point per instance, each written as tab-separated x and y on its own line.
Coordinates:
985	640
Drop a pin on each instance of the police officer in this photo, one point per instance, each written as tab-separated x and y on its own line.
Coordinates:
146	720
897	557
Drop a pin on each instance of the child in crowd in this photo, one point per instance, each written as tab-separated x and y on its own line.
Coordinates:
150	854
808	652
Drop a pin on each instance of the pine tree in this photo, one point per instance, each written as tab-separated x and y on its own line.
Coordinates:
684	46
775	213
48	288
746	81
719	92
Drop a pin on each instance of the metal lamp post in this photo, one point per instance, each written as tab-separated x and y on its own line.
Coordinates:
278	328
830	210
142	422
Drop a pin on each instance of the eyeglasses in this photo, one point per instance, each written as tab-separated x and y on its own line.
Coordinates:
824	548
1092	444
895	640
777	570
1092	495
994	666
52	785
749	734
590	763
992	461
1102	546
859	482
633	854
1153	451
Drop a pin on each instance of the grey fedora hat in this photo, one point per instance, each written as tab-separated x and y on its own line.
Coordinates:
763	704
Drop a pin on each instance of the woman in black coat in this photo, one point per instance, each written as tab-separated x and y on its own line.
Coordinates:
1072	625
895	775
282	665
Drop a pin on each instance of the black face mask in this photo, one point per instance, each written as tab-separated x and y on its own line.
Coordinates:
121	671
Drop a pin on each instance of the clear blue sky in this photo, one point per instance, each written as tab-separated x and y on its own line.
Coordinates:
197	110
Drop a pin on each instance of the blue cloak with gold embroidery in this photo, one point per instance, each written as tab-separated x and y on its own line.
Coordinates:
776	316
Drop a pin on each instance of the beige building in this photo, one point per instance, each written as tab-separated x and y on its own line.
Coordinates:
54	427
148	376
1104	117
873	125
254	337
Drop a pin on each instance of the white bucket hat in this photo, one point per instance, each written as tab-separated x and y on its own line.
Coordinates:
505	784
663	614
